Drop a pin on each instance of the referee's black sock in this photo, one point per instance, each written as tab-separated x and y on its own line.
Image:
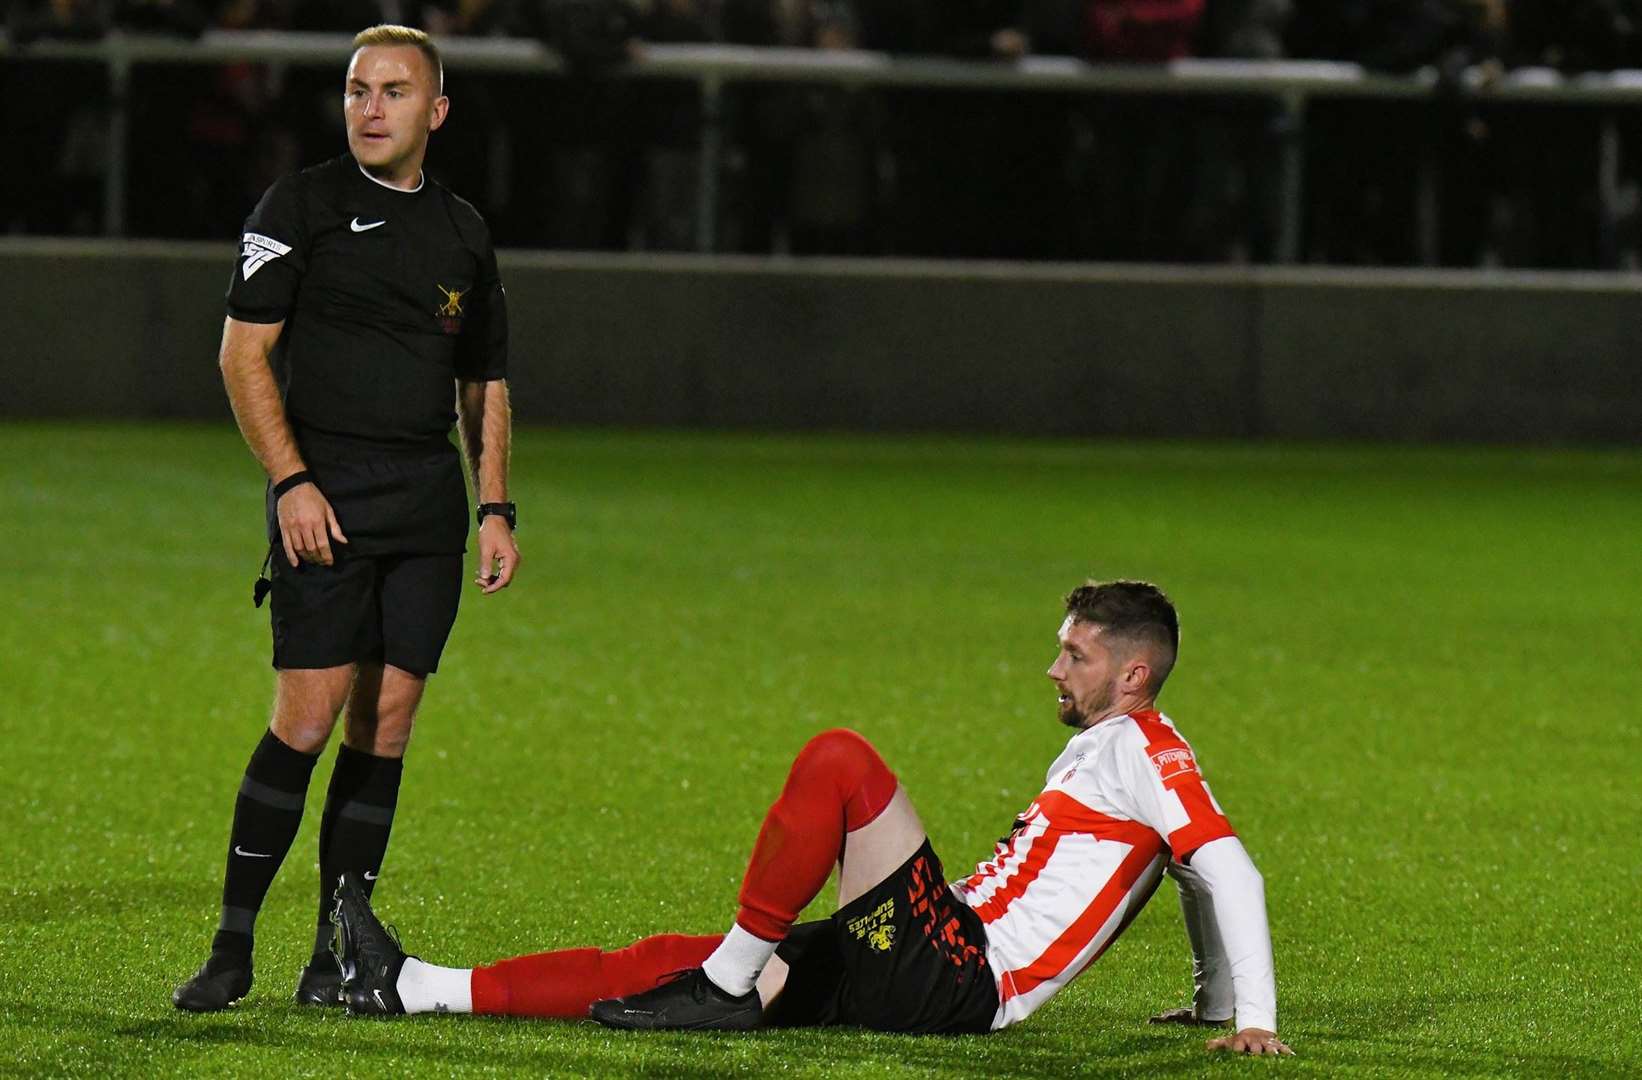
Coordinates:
266	816
353	835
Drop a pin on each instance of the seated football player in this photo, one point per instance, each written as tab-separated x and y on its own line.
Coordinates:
907	950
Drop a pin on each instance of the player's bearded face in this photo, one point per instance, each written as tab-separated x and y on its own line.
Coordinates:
1084	673
391	103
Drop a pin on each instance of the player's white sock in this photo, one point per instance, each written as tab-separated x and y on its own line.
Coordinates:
425	988
735	964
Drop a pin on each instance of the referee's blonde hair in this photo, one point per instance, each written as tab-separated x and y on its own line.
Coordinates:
393	34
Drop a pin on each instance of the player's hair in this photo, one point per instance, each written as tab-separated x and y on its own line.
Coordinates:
390	34
1135	611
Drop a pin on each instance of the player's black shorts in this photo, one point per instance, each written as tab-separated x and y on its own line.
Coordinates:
907	956
392	609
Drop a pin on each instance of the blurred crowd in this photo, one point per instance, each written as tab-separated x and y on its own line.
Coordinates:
595	163
1390	35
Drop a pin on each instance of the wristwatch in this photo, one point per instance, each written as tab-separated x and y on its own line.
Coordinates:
506	511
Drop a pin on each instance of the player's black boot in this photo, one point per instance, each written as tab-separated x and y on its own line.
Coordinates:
220	981
320	983
367	953
692	1001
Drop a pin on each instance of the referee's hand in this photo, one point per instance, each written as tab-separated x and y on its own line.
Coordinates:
498	555
307	525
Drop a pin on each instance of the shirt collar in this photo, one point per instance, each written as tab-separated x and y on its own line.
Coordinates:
421	178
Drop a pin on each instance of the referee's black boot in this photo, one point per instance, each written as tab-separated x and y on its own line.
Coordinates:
220	982
691	1002
367	953
320	983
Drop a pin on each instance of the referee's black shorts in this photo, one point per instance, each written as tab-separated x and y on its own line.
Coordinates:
907	956
391	594
385	609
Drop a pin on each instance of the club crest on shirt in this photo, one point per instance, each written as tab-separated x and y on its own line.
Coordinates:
450	312
1171	761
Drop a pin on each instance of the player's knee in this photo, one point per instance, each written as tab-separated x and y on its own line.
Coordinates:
838	751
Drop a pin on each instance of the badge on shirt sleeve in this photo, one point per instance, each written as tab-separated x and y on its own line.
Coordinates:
259	251
1172	761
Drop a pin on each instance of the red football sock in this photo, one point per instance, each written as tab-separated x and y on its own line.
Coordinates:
567	982
838	783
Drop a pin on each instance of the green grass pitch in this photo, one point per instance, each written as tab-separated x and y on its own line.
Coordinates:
1411	676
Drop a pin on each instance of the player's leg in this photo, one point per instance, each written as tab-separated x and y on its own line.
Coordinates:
840	805
267	813
837	789
383	980
416	602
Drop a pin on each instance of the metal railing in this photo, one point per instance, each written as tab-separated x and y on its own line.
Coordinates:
1289	84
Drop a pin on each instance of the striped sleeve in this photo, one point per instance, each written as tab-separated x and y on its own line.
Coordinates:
1166	788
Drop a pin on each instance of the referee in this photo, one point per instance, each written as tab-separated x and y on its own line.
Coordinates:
374	293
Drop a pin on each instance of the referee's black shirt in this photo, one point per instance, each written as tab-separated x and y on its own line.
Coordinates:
388	296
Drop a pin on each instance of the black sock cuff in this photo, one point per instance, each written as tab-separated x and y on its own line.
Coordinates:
363	777
279	766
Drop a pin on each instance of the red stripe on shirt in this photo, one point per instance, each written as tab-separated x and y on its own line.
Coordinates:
1206	823
1076	937
1064	815
1026	873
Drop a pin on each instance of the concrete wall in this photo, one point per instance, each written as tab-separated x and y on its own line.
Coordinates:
131	331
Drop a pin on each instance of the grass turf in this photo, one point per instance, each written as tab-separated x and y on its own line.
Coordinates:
1410	676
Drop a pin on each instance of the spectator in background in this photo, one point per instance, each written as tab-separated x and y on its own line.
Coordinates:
1138	164
1364	158
1008	148
1144	30
62	20
183	17
56	121
1576	35
973	29
1235	204
812	150
1245	29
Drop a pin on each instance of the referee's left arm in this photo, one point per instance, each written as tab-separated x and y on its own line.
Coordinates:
486	422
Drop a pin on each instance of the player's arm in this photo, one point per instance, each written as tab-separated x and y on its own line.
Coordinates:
1223	895
1212	1001
1229	899
485	420
306	521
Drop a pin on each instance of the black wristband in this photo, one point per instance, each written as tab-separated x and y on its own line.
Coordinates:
296	479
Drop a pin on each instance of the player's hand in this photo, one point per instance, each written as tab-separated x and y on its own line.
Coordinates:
307	525
498	555
1250	1041
1187	1017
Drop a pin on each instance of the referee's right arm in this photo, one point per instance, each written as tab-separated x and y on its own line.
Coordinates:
306	520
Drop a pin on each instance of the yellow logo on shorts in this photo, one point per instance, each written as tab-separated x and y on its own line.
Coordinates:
875	927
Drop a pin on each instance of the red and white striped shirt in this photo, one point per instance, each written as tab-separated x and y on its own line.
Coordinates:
1086	855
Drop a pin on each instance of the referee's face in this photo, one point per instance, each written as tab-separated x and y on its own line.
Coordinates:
391	103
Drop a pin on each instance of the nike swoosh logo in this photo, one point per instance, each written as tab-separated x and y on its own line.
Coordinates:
250	854
377	994
370	876
357	227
